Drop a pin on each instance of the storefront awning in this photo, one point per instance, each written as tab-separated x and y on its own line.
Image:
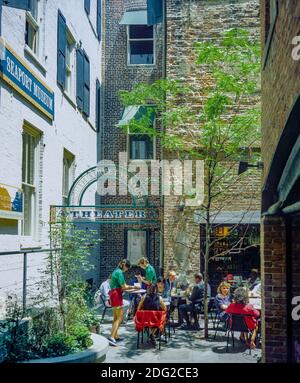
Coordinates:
230	218
133	111
135	18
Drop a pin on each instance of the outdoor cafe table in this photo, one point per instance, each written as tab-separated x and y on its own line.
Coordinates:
140	291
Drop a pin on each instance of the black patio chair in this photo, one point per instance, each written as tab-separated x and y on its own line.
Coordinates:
237	322
220	325
105	307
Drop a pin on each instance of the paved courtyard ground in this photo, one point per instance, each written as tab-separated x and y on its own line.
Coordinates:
182	347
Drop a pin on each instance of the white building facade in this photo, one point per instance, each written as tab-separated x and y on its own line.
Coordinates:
50	79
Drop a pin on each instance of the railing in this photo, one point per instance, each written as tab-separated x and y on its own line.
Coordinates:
25	253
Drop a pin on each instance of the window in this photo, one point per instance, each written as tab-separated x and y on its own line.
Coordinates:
32	27
140	44
141	147
68	172
136	245
29	180
70	57
83	82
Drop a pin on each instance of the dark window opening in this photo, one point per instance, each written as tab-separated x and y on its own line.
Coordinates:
141	147
141	45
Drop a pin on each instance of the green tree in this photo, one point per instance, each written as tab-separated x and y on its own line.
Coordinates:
220	131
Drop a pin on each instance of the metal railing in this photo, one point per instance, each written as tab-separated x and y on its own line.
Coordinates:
25	253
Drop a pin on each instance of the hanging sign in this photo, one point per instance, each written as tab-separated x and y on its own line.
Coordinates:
15	72
11	202
99	214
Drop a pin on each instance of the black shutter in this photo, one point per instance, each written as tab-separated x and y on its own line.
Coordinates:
86	89
99	11
87	6
19	4
98	105
79	78
154	11
61	50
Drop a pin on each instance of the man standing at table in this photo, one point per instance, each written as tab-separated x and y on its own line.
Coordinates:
150	277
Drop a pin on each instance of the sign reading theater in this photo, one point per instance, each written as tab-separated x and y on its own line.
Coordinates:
103	215
20	77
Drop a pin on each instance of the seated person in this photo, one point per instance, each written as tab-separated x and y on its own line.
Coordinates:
161	288
195	297
253	282
241	306
135	298
256	291
222	300
104	291
153	302
170	283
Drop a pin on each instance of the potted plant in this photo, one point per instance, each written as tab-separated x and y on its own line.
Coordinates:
57	326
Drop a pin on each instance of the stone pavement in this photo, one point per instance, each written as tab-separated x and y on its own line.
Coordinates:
182	347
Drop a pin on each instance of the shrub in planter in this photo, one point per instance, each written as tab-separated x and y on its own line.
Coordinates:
62	327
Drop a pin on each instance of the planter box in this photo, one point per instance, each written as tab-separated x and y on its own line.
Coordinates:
95	354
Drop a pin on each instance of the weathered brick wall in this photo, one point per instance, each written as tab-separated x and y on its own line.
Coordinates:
280	76
273	271
280	87
188	22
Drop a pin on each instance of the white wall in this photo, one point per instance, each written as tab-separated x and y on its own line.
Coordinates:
69	129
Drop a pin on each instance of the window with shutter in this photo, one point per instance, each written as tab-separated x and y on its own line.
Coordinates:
86	85
87	6
61	50
99	16
32	27
79	78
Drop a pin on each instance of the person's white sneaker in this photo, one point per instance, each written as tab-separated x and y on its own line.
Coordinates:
112	341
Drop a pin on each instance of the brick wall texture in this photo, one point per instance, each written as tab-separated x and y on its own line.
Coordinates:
280	255
117	75
188	22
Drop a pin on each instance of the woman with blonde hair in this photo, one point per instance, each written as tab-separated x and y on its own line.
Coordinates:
150	277
222	300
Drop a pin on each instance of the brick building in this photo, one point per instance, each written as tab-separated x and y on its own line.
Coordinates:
173	242
188	22
133	53
281	182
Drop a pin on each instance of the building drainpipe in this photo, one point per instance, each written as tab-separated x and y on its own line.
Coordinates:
164	73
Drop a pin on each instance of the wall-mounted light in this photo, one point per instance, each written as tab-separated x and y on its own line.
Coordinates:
244	166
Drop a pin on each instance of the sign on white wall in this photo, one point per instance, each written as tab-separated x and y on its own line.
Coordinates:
11	202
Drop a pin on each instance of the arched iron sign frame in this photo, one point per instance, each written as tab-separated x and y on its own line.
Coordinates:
89	177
